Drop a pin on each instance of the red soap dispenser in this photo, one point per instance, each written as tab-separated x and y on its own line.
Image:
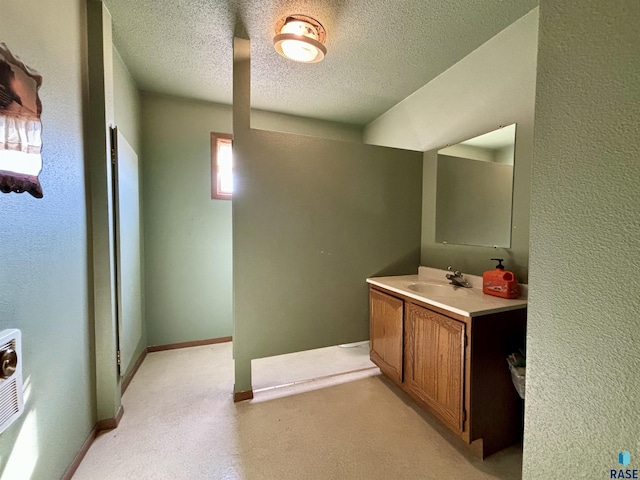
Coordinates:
500	283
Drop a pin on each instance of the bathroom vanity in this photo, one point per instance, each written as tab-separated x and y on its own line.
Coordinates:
447	348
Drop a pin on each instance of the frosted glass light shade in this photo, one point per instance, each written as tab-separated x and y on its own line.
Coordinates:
300	38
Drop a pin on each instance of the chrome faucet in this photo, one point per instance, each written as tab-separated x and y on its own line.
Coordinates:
457	279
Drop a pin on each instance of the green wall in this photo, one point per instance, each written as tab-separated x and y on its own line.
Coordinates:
312	219
187	234
45	268
188	252
127	104
473	201
278	122
583	394
492	86
127	119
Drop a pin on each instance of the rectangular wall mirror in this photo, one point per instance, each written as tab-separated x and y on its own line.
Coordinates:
474	190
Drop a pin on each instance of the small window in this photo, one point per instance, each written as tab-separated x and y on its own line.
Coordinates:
221	166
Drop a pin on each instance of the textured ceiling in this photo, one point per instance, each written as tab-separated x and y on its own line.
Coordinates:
379	51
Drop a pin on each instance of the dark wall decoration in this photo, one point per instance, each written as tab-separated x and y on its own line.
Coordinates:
20	126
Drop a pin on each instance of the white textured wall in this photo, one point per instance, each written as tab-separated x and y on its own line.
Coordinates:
583	391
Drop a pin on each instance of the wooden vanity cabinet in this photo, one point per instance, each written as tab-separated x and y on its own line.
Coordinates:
453	366
385	325
434	363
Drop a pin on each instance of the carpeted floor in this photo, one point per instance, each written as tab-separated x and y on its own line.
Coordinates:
180	422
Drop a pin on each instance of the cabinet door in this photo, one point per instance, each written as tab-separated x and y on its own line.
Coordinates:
434	363
385	323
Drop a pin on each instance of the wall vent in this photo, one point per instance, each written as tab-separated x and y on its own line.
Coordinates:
11	401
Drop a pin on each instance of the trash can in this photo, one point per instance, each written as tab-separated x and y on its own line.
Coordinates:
517	366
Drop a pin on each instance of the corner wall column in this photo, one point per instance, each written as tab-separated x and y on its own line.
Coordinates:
241	129
101	117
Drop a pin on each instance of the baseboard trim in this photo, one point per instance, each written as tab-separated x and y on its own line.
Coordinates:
242	396
110	423
127	378
106	424
194	343
80	455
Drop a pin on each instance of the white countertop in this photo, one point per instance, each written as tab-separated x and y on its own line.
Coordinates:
469	302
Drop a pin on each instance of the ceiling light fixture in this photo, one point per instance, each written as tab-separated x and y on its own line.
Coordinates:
300	38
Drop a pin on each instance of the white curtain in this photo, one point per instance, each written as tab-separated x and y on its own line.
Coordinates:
20	134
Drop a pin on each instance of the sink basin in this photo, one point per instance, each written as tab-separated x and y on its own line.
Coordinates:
438	289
